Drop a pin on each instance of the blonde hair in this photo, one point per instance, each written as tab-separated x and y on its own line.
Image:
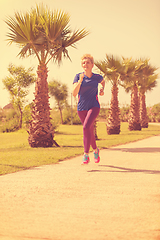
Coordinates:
87	56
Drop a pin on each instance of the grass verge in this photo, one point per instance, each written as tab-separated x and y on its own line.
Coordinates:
17	155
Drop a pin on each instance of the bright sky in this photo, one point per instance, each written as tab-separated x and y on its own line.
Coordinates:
120	27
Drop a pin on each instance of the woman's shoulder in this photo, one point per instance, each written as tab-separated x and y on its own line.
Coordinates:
77	75
97	76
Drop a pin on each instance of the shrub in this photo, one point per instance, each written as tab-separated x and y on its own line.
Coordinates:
27	115
154	113
124	111
102	113
55	118
71	116
10	121
1	114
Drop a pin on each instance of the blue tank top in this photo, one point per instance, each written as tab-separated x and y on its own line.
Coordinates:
88	93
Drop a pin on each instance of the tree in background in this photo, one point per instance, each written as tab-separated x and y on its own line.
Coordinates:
154	113
60	92
129	80
45	34
17	84
146	83
111	68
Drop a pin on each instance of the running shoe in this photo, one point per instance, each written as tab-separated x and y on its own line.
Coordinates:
96	156
85	159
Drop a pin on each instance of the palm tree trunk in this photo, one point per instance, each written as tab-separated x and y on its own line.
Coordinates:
134	120
113	122
143	111
40	130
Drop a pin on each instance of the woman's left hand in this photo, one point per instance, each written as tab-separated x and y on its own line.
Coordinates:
101	93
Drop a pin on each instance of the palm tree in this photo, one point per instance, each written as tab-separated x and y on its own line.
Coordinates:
146	83
111	68
129	81
46	35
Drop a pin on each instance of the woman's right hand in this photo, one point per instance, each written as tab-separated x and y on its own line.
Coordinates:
77	85
81	77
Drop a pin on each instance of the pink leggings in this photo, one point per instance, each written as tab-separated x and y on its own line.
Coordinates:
87	118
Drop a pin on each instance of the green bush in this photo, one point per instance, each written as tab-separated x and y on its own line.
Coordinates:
1	114
154	113
55	118
70	116
124	111
27	115
103	113
10	121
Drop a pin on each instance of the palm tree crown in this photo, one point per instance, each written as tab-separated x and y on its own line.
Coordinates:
149	79
44	33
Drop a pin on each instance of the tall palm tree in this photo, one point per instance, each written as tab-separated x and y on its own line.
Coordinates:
111	69
129	81
146	83
46	35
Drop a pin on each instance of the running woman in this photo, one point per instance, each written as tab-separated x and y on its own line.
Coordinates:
85	84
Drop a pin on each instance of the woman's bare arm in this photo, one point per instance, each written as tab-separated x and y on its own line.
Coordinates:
76	86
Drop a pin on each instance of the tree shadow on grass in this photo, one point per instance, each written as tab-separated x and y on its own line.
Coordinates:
15	168
124	170
67	133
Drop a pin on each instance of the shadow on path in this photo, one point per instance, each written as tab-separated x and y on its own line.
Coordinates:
125	170
138	150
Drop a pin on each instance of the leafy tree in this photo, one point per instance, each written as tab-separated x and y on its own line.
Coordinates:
17	84
60	92
45	34
146	83
111	68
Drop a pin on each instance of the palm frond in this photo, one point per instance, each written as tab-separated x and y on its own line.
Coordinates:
101	66
111	67
75	37
55	25
43	31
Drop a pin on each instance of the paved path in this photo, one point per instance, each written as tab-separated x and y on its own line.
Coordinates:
118	199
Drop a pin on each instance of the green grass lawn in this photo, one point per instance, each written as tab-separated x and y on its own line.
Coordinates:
17	155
